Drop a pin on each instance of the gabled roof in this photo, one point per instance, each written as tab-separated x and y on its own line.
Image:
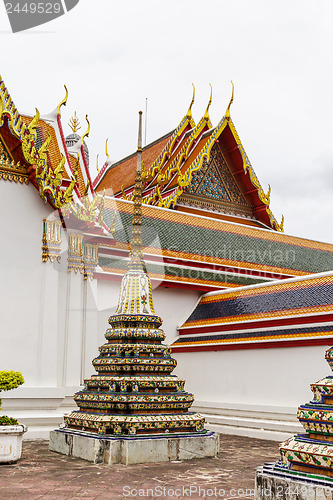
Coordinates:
122	173
40	147
297	311
168	180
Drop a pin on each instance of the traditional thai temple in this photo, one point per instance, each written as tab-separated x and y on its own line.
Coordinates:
247	309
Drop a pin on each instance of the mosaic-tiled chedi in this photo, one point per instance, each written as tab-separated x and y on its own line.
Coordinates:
313	452
133	391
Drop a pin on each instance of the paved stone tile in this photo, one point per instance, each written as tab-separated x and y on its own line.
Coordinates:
44	475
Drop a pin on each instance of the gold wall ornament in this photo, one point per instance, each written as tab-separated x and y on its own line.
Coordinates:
90	259
86	134
267	198
161	202
58	171
34	122
63	102
168	148
11	171
112	228
280	227
74	123
125	197
100	217
8	109
97	167
51	242
106	149
227	113
66	196
189	113
4	154
206	115
75	253
86	191
185	179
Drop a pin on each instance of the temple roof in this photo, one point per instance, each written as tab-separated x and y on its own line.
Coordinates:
297	310
122	173
189	250
196	167
37	145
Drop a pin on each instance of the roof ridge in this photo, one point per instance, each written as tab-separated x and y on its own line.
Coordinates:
109	166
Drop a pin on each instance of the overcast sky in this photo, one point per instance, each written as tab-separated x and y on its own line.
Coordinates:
113	55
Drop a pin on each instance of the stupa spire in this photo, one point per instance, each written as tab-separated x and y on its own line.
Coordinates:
136	243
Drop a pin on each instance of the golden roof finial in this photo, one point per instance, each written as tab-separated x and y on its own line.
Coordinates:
87	132
74	123
97	164
106	148
227	113
34	121
280	227
87	188
206	115
189	113
63	102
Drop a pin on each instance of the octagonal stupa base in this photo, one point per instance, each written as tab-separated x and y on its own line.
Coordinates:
274	484
128	450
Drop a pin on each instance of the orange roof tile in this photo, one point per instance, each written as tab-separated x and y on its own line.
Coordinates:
123	172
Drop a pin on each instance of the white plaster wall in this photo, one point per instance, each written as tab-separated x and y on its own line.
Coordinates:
172	304
256	377
25	308
52	323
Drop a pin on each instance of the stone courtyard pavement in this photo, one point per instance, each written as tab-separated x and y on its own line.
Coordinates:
41	474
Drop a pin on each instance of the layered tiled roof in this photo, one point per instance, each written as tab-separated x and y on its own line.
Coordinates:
191	153
122	173
206	253
277	313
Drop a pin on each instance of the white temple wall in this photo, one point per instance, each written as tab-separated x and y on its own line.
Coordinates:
172	304
23	277
52	323
253	392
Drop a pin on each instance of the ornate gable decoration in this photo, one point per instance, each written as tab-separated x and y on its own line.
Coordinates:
214	187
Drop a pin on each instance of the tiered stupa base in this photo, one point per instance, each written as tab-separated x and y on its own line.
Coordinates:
133	410
129	450
305	470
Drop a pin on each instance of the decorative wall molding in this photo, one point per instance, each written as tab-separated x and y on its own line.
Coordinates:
51	247
75	253
90	259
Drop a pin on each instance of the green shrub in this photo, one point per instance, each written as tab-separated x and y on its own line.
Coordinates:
9	380
4	420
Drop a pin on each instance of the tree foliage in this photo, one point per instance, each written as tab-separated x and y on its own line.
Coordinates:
10	380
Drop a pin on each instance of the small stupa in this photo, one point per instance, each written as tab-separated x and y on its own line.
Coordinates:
133	410
306	465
